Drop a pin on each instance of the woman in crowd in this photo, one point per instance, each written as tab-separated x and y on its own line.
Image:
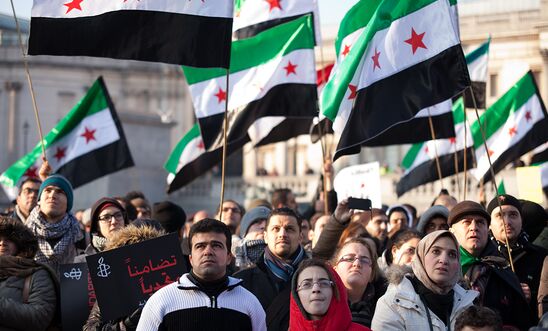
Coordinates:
400	249
429	298
356	264
107	217
28	289
318	299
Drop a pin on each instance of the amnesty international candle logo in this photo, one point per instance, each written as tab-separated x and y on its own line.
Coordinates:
103	268
75	273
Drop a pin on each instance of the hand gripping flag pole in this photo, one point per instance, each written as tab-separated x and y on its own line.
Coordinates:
493	179
29	81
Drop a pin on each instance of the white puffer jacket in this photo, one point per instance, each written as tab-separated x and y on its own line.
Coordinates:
401	308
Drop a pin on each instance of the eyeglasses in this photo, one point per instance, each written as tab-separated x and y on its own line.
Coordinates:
234	210
308	284
118	216
351	258
29	191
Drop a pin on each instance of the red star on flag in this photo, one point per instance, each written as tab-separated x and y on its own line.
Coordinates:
346	50
74	4
491	152
528	116
426	150
290	69
353	89
416	40
200	145
274	4
452	140
89	134
375	59
31	172
221	95
512	131
60	153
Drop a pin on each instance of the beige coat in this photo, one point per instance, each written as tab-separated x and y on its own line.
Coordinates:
402	309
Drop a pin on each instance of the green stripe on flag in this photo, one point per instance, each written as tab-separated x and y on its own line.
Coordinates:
478	52
173	159
496	115
458	110
238	5
356	18
251	52
93	102
411	155
500	188
387	12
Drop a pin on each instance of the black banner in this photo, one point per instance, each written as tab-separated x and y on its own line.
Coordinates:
124	278
77	295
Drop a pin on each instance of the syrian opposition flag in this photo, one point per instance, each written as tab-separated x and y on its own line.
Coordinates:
86	144
190	160
540	154
407	59
254	16
420	163
271	74
194	33
477	61
514	125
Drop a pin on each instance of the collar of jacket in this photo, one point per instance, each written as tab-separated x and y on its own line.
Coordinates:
183	283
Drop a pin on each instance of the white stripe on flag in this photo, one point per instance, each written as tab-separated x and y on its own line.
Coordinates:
478	69
60	8
262	127
252	84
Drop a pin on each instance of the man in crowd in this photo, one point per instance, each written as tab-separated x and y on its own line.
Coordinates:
377	227
528	259
27	198
140	202
284	197
232	214
55	227
270	279
206	298
483	269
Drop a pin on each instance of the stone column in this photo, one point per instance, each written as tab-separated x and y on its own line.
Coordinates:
12	89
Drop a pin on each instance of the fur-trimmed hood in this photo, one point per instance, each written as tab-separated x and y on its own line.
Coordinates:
131	235
22	237
395	273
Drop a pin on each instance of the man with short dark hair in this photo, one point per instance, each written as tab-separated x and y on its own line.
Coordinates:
55	227
284	197
27	198
206	298
232	214
140	202
270	279
528	259
476	318
483	269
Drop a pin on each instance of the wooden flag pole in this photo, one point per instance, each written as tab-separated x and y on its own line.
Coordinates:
435	147
465	170
483	136
457	168
225	144
29	81
326	148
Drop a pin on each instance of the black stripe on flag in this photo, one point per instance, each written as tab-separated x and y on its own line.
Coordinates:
287	129
399	97
479	94
101	161
427	172
198	41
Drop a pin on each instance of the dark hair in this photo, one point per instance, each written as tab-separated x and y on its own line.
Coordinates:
279	197
240	207
210	225
478	317
284	211
29	179
20	235
131	211
314	262
134	195
398	239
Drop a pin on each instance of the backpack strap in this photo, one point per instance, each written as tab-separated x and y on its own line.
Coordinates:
26	289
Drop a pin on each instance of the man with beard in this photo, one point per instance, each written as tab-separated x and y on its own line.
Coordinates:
52	223
270	279
206	298
483	269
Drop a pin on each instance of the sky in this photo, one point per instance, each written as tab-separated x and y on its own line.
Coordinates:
331	11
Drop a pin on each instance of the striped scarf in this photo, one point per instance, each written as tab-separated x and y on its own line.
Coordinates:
279	267
66	231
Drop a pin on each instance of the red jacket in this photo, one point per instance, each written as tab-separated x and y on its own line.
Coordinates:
337	318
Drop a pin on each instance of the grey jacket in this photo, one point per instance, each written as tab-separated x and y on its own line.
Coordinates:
38	313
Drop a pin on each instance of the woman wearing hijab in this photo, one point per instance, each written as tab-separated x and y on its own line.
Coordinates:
429	298
318	300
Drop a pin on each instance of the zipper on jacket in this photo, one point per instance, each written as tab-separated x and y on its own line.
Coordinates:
213	300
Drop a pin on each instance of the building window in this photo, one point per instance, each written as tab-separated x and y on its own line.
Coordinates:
493	86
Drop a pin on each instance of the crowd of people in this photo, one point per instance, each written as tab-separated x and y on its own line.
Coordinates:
458	266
